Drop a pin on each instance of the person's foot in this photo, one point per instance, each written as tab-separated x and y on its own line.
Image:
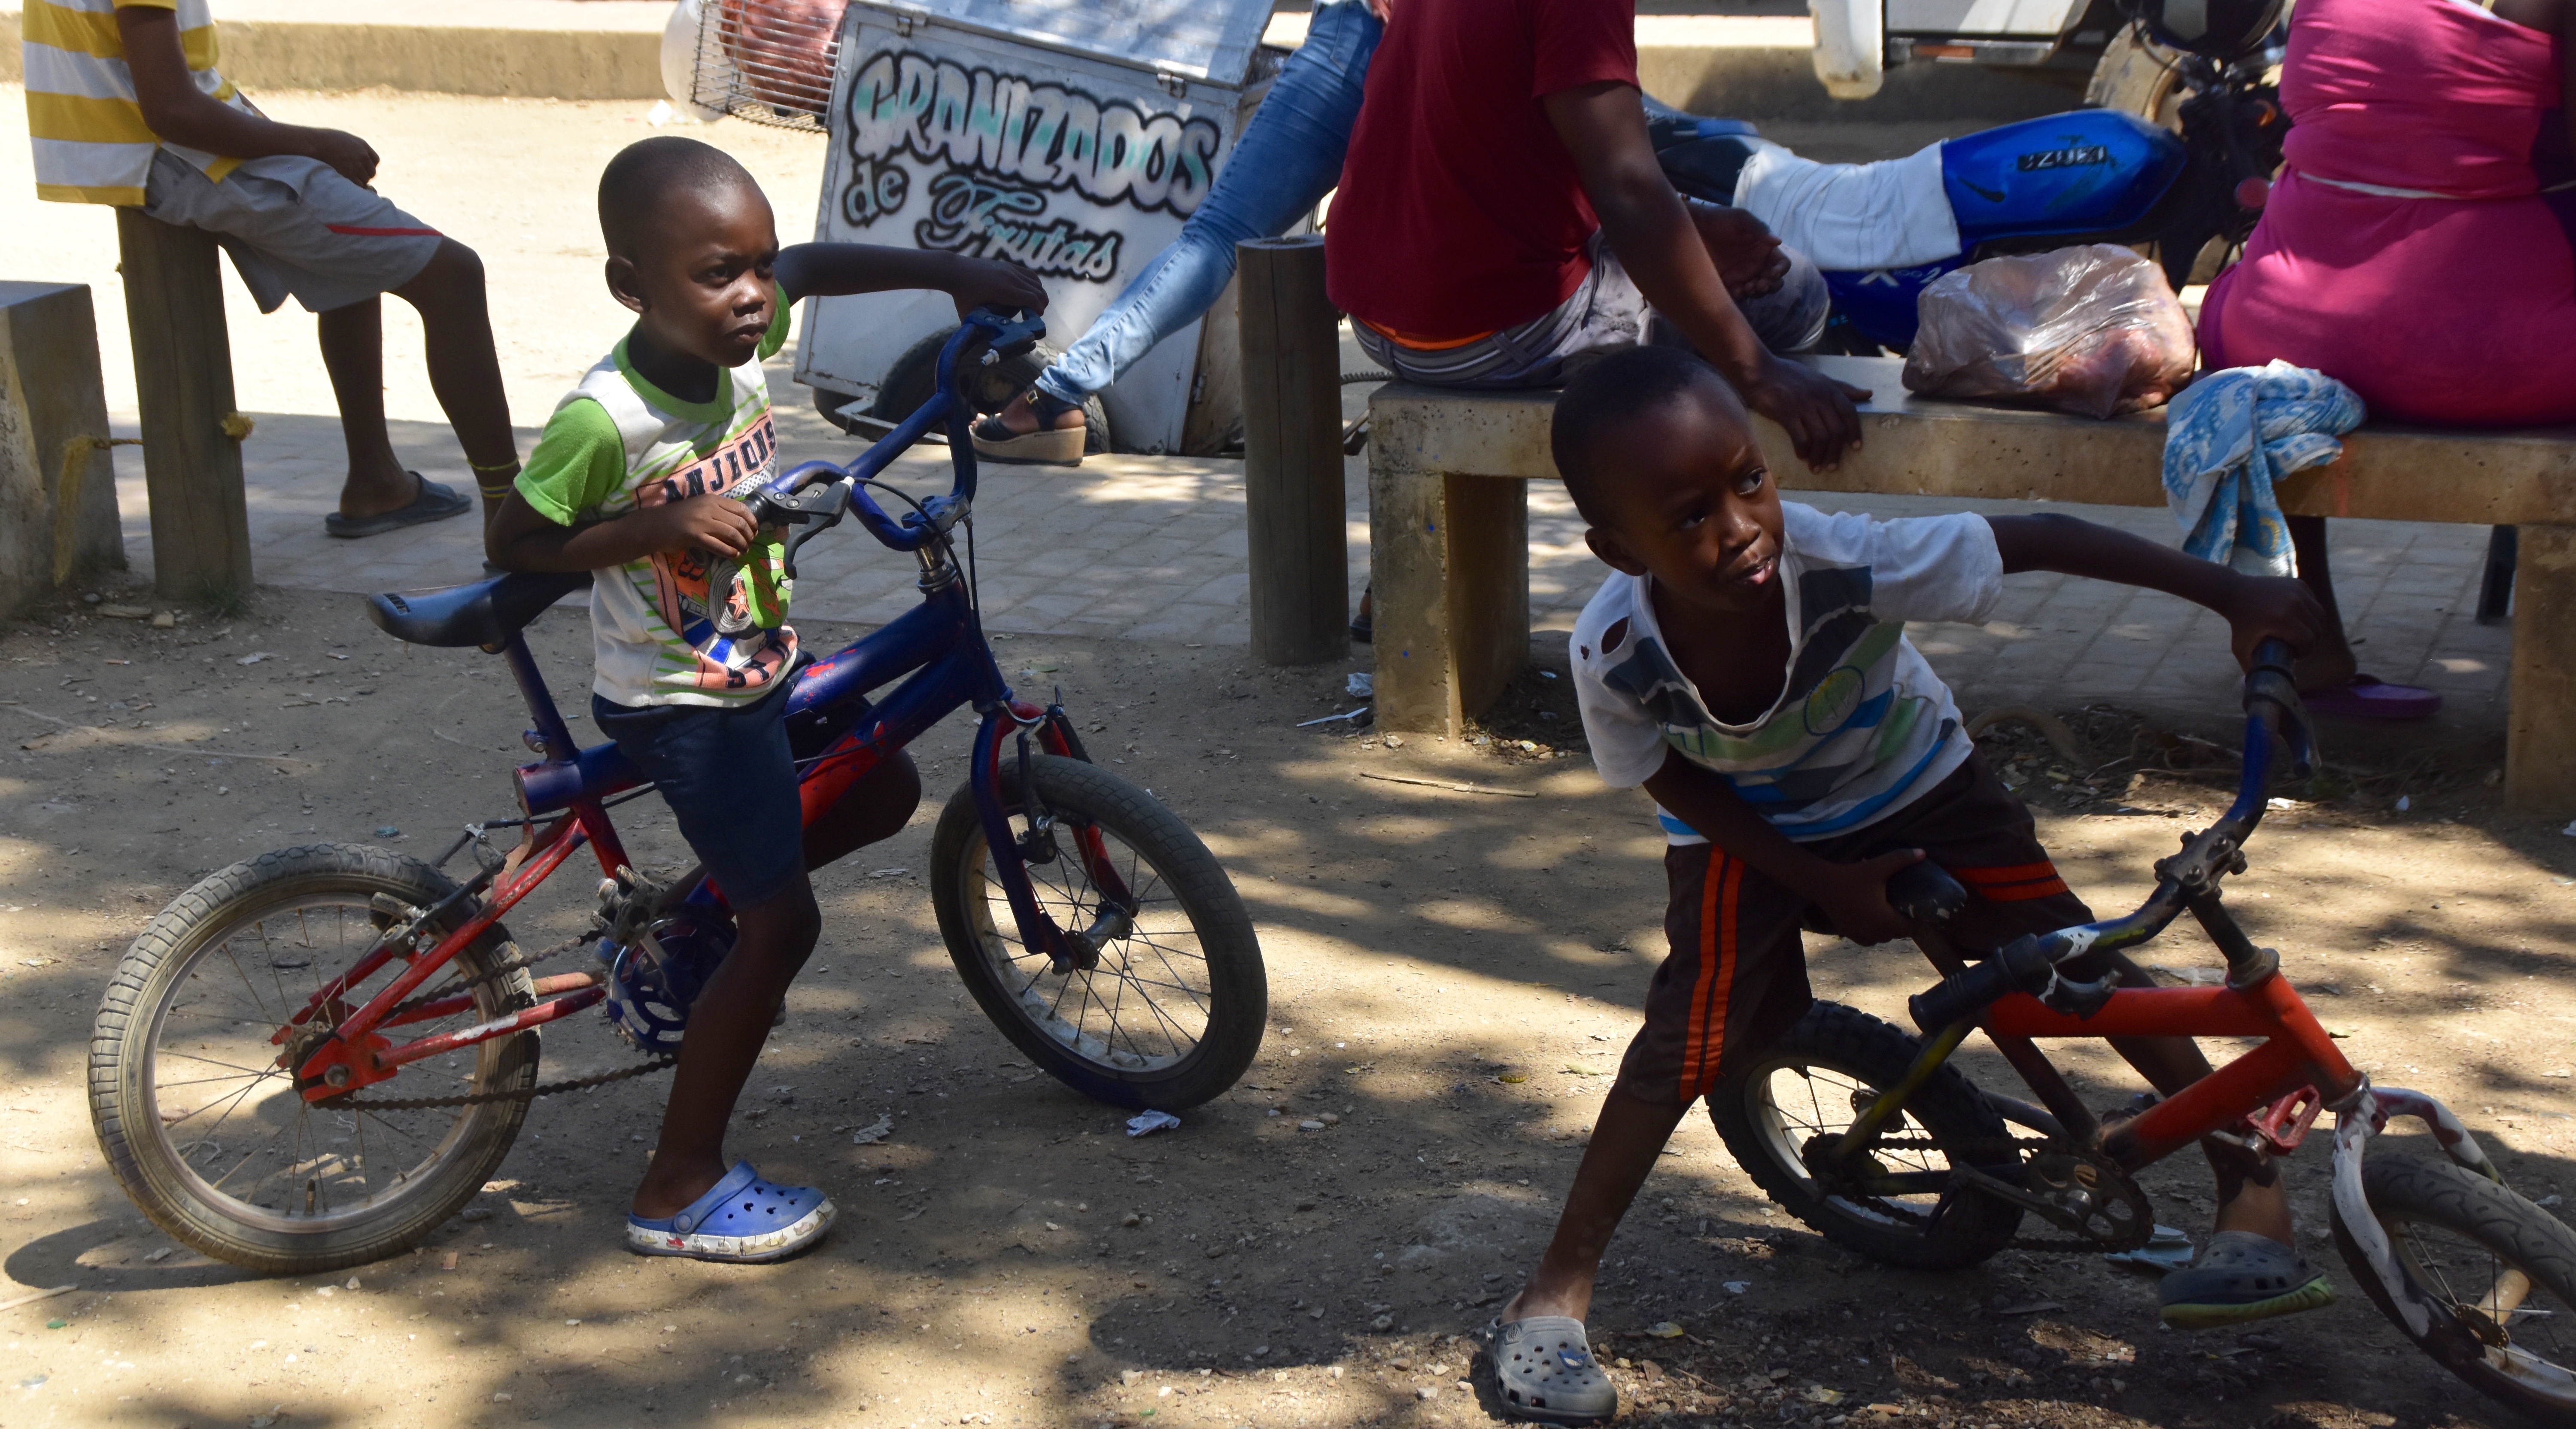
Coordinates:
672	1188
2240	1277
740	1219
1544	1370
428	502
1023	414
1034	428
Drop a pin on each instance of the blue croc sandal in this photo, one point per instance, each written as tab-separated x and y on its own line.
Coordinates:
744	1219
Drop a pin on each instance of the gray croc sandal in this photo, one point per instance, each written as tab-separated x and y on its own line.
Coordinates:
1544	1370
2240	1277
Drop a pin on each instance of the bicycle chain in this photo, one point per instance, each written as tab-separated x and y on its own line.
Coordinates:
662	1063
518	964
2061	1244
508	966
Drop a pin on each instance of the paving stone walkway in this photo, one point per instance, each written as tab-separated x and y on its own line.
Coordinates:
1152	548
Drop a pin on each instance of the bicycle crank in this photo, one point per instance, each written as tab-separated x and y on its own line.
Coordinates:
2083	1193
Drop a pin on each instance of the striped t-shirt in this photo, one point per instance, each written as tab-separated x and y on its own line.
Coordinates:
618	444
1862	725
92	145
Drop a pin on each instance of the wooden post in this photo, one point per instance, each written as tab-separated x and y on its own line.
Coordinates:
57	486
2539	763
1292	454
183	380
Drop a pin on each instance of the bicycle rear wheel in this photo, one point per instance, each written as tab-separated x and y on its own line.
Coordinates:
206	1131
2502	1268
1172	1013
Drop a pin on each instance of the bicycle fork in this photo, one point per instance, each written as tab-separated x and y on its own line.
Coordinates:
2358	1118
1065	949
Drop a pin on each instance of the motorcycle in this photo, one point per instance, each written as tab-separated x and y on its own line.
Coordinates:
1884	231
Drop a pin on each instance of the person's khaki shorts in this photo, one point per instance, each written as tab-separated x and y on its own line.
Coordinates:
295	227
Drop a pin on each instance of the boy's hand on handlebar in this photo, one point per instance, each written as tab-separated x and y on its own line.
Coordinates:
1854	896
2274	607
992	283
715	524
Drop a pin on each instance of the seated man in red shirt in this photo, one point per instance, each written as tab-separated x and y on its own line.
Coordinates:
1502	213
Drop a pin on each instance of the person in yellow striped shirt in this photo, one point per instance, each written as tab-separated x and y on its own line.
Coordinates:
126	107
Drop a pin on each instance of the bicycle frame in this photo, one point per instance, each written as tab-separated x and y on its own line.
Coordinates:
937	650
2264	1100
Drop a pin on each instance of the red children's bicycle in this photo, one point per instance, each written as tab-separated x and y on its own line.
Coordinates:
1867	1134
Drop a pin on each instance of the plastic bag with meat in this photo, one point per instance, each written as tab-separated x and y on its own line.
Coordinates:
2093	330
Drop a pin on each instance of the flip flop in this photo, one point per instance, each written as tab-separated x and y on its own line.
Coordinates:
1544	1370
2240	1277
742	1219
2370	697
433	503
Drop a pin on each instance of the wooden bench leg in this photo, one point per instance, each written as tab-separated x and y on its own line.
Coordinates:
183	379
1449	564
2540	762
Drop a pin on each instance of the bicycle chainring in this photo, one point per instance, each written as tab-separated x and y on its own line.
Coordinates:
2088	1195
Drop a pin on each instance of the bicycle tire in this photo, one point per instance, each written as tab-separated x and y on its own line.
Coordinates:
1098	1056
2405	1193
131	1106
1847	1043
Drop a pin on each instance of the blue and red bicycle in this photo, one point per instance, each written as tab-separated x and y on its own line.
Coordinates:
313	1058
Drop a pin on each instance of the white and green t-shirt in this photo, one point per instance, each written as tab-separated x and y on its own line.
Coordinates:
1862	726
617	444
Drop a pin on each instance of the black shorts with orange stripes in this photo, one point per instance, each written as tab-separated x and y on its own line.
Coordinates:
1735	979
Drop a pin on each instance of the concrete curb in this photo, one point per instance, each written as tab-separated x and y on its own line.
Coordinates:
1741	66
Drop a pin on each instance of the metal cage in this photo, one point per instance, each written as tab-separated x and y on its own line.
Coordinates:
768	61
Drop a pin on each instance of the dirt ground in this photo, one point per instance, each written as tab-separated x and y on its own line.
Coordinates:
1453	974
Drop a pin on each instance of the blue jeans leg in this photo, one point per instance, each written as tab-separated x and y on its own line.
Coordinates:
1286	160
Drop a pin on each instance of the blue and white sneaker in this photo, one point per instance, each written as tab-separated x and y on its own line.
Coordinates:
741	1219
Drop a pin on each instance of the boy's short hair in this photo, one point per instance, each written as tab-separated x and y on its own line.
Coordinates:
1608	392
637	186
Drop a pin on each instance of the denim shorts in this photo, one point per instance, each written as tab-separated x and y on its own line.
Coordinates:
727	774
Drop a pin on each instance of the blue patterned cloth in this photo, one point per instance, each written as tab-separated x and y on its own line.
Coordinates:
2228	437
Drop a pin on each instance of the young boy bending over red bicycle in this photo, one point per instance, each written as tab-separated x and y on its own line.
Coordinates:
1747	664
636	480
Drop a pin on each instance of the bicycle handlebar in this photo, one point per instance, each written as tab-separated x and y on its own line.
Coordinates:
812	497
2032	964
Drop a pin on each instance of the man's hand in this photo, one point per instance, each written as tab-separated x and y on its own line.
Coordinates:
1746	252
1854	896
1814	409
352	156
992	283
2260	608
717	525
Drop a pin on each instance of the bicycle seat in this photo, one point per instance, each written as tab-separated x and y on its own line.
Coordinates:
484	613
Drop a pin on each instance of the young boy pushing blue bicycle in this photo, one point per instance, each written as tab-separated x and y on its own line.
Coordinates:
637	480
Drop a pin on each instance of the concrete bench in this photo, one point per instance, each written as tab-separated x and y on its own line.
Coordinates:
1449	525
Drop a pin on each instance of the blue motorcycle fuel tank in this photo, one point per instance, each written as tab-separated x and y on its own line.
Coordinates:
2086	171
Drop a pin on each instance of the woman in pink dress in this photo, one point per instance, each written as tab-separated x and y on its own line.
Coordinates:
2415	248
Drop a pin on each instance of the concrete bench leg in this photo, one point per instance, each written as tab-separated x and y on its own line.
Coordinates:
2539	760
1449	565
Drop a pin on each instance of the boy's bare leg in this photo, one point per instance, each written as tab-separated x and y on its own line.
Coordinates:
2172	1063
456	333
726	1030
1626	1140
353	352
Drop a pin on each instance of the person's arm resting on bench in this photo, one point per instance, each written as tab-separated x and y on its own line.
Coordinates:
1667	248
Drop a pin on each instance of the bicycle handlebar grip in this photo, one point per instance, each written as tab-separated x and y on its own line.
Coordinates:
1963	998
2022	966
1925	894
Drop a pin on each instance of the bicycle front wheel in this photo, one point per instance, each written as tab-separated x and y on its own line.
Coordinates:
204	1127
1171	1013
1813	1083
2502	1271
